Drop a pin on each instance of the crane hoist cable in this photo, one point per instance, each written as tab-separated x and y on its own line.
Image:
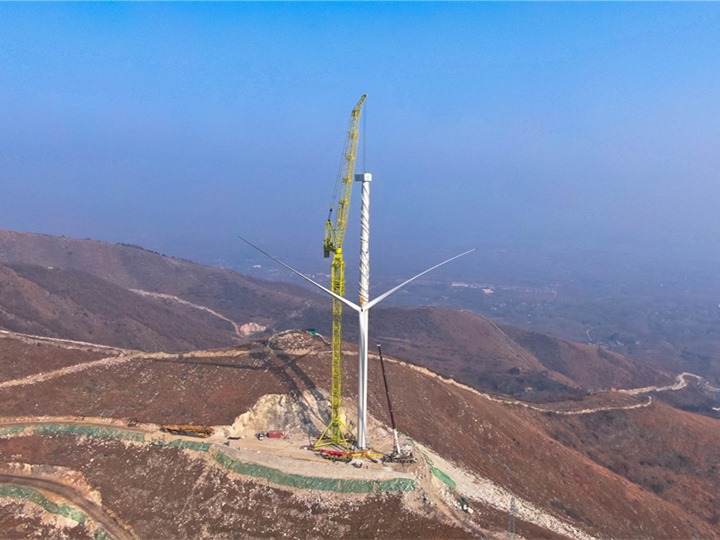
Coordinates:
336	433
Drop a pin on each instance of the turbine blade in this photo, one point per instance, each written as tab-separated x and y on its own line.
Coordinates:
395	289
328	291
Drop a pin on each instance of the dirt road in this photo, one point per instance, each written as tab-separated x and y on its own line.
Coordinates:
90	508
103	362
680	383
162	296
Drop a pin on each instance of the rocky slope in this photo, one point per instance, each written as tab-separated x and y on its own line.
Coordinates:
577	474
241	299
476	351
127	297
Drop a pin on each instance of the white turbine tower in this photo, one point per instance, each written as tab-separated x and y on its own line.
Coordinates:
365	304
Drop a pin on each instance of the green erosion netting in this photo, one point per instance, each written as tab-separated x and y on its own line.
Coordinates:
101	534
437	473
274	476
188	445
34	496
11	430
338	485
89	431
444	477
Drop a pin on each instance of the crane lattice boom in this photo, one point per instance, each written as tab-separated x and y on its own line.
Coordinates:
336	432
335	232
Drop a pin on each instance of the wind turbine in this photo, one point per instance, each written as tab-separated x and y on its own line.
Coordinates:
365	304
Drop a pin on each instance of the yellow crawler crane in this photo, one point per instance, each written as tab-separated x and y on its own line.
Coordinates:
336	432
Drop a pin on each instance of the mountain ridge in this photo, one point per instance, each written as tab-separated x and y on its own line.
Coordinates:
125	296
495	413
482	441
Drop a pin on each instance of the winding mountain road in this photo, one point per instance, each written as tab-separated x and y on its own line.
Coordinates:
680	383
474	488
66	343
75	498
162	296
121	356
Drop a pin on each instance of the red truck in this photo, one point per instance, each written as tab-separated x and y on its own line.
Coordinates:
269	435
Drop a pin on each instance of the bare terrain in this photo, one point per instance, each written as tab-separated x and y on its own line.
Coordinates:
127	297
124	295
102	345
485	355
661	310
479	441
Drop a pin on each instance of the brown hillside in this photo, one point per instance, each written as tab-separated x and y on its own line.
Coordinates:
591	367
477	352
240	298
506	444
76	305
27	357
100	292
666	451
163	493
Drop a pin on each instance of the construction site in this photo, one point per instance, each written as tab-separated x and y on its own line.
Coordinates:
273	443
299	440
337	441
291	433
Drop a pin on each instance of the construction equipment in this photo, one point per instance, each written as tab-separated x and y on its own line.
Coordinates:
346	456
189	430
398	455
334	235
336	455
510	533
336	433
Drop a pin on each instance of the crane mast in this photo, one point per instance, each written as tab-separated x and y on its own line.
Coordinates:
336	431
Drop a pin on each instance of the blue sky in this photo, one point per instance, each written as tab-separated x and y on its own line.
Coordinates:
179	125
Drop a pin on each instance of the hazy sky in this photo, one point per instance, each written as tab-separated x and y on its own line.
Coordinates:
179	125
